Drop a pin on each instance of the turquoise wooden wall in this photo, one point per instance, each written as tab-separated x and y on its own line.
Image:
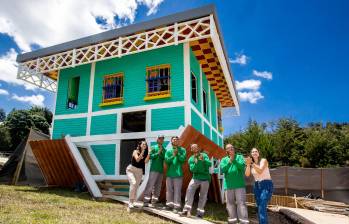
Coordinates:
73	127
65	75
134	68
106	157
103	124
196	121
167	118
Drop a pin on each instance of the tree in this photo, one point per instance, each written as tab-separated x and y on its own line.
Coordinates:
289	140
19	123
42	111
2	115
5	138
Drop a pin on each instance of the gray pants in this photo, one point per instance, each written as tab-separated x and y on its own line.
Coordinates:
153	187
189	197
236	205
173	192
134	176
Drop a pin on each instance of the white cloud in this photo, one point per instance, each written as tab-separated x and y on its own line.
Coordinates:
152	5
8	70
263	74
240	59
46	23
37	100
250	84
251	96
4	92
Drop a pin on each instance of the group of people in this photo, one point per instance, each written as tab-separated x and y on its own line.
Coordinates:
234	167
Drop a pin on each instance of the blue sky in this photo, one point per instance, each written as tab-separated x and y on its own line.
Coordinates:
300	48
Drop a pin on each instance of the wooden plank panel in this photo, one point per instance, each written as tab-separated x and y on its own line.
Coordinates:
56	163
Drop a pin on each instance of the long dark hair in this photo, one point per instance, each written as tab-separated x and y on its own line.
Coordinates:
139	145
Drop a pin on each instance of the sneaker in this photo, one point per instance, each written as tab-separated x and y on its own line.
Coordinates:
145	204
199	215
183	213
167	208
175	210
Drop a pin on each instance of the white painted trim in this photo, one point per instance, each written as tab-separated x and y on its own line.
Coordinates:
123	110
187	100
120	47
117	157
204	120
91	184
148	121
54	106
70	116
200	92
103	139
90	98
209	109
223	62
109	177
118	122
95	160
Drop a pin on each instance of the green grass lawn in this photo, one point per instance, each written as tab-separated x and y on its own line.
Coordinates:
22	204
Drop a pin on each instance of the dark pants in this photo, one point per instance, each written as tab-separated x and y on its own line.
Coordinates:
263	190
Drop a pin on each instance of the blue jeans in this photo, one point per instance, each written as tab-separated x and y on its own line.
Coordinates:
263	190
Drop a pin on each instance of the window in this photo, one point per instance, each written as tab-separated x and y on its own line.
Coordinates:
113	89
133	122
219	118
73	92
158	82
204	99
194	88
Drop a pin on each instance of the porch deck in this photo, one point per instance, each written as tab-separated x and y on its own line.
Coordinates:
165	214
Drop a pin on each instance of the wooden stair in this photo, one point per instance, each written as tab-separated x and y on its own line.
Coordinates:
114	187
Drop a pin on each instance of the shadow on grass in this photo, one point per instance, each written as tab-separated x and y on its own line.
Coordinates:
64	192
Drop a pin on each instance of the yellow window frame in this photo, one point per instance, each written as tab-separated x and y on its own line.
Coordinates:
159	94
116	100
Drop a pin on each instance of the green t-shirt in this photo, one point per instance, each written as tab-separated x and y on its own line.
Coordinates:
200	169
234	172
157	160
174	163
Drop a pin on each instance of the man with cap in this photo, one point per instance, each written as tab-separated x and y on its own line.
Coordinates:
174	158
233	168
153	188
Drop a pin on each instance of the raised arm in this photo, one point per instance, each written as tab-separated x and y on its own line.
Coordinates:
225	165
248	162
169	157
182	155
239	162
259	169
192	164
136	156
153	153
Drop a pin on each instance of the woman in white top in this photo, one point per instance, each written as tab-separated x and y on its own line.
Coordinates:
263	187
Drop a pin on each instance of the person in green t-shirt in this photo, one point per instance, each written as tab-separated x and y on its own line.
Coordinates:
153	188
233	168
199	165
175	156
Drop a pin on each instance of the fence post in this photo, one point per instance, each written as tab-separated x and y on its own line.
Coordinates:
286	180
322	183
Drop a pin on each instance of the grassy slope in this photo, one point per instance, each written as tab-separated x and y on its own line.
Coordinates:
21	204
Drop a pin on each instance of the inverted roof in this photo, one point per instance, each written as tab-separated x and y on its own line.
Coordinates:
129	30
124	31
